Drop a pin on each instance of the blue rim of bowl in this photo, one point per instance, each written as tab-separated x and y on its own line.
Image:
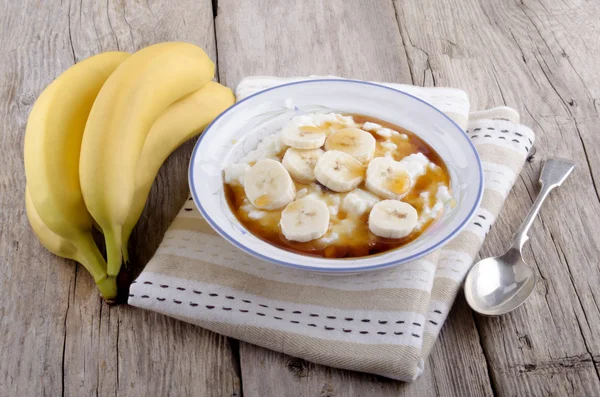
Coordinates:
340	269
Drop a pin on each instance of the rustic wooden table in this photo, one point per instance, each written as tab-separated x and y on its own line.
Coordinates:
540	56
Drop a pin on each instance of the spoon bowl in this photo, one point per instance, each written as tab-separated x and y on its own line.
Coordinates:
499	285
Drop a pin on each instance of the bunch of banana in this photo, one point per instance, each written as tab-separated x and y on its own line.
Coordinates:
96	138
52	147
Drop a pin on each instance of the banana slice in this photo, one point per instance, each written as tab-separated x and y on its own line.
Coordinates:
302	134
339	171
392	219
268	185
301	163
388	178
304	220
356	142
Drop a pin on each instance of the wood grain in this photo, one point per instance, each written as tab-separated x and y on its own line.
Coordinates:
58	338
539	57
271	37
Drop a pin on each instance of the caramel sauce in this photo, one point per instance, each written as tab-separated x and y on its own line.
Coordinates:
400	184
353	170
354	237
262	201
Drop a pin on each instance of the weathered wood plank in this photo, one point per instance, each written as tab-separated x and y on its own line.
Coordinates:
540	57
358	39
36	286
57	337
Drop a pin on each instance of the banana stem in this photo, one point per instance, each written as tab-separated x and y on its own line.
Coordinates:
113	250
125	243
137	207
90	257
108	288
125	252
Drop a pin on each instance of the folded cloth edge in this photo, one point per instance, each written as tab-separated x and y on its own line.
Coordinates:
453	102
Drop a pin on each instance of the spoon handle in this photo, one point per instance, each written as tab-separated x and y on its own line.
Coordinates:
553	174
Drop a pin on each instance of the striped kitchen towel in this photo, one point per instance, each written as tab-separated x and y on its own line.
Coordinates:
383	322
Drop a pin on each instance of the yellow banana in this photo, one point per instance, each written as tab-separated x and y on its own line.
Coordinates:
180	121
65	249
52	149
130	101
52	241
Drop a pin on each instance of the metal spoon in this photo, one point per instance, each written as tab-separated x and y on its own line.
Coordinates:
496	286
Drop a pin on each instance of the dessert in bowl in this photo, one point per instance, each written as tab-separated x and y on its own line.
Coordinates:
338	186
335	176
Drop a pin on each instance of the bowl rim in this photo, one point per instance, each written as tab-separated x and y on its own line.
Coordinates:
341	269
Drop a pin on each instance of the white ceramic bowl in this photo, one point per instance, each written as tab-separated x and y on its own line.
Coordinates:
239	129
